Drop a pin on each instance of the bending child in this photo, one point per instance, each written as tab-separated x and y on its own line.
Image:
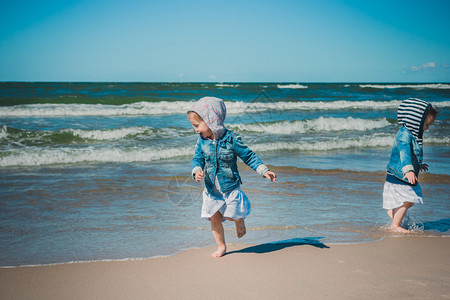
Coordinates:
402	189
214	161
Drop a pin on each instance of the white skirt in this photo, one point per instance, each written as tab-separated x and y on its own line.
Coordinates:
394	195
234	205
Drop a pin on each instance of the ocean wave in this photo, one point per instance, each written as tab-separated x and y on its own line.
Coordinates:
327	145
181	107
239	107
109	134
227	85
315	125
435	140
368	141
292	86
407	86
4	132
124	132
56	156
252	107
18	137
56	110
41	156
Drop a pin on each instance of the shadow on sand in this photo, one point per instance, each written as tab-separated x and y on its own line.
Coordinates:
442	225
278	245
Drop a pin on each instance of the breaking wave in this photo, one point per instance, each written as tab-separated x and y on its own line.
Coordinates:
407	86
41	156
292	86
314	125
181	107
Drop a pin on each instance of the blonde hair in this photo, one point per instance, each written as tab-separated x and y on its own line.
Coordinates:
193	113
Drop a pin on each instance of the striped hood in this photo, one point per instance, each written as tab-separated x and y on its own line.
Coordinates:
411	114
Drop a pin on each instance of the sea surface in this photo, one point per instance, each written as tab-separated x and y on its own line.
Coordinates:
101	171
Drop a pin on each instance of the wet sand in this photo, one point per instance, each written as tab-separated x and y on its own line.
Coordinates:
397	267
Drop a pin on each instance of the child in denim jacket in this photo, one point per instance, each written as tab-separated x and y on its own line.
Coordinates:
401	189
214	161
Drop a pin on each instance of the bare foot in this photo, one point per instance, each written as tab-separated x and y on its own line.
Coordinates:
219	253
389	212
399	229
240	228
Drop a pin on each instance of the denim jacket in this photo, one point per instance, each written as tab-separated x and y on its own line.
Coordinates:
406	155
218	159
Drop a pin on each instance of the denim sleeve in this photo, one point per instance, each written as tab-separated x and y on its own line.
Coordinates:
198	161
248	156
404	148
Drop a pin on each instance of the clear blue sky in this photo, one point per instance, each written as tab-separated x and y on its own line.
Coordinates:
223	41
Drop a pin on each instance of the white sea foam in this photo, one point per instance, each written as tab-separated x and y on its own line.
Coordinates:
251	107
35	156
109	134
335	144
100	134
292	86
3	132
407	86
120	133
320	124
435	140
138	108
181	107
53	156
226	85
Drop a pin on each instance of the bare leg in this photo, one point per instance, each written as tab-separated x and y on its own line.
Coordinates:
240	228
219	235
397	217
390	213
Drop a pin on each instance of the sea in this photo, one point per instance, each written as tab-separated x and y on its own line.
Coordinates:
102	171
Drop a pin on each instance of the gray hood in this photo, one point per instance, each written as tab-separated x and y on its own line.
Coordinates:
213	111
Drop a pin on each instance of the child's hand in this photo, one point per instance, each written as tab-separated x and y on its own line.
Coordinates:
411	177
424	167
271	176
199	175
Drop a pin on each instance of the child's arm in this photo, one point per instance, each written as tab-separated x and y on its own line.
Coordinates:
404	147
251	159
198	163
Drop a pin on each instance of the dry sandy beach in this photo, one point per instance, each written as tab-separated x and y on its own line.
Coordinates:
400	268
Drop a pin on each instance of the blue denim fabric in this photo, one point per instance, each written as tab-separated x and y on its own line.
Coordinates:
406	155
218	158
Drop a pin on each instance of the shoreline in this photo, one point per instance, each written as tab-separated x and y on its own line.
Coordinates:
406	267
374	239
232	244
